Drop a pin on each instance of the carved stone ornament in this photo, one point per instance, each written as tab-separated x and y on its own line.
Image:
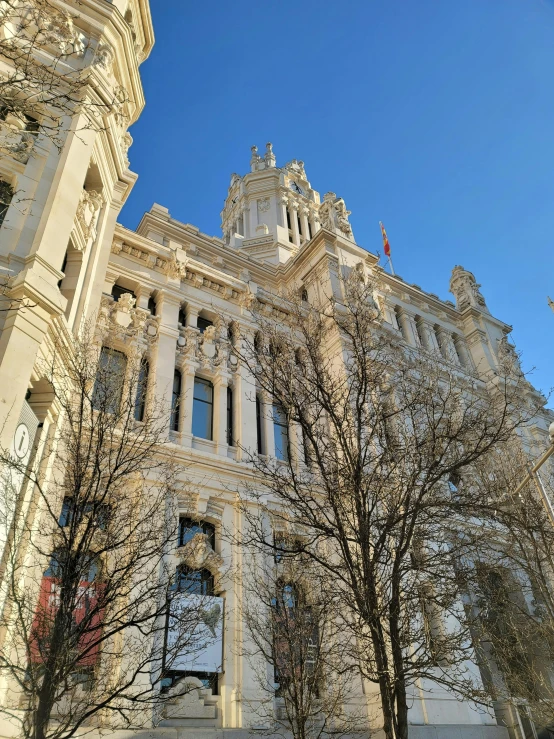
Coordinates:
104	57
296	167
263	205
508	358
333	215
121	321
176	266
198	554
125	143
87	213
465	289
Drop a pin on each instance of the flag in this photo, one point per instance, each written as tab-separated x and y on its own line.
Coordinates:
386	244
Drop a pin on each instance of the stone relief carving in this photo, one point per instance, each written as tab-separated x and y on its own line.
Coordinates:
176	267
125	143
465	289
263	205
508	358
104	57
198	554
333	214
87	213
296	168
121	320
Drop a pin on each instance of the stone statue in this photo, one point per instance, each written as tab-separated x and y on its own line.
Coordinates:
334	216
465	289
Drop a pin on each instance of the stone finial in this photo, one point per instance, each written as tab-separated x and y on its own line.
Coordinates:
269	158
465	289
255	159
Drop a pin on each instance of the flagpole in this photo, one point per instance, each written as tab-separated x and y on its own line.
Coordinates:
387	246
391	267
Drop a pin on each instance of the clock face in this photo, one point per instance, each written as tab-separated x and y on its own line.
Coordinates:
296	188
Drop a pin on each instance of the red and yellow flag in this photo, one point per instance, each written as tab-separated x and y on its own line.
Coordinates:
386	244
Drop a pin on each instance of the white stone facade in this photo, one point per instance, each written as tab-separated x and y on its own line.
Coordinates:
184	289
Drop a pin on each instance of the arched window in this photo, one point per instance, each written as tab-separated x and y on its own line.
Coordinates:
142	387
194	582
110	378
188	528
202	408
281	431
175	400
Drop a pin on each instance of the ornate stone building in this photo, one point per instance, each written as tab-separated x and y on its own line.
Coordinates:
171	292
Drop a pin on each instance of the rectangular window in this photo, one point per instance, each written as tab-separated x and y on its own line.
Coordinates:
6	195
259	424
281	431
230	417
202	408
110	376
142	386
309	230
299	224
203	323
175	401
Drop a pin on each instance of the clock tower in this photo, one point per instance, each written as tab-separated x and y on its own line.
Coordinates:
272	212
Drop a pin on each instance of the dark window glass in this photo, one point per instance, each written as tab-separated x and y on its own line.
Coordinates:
194	582
110	376
175	401
100	511
281	431
304	295
142	386
309	230
31	124
202	408
6	195
182	317
288	220
88	566
230	417
188	528
203	323
259	423
152	305
64	265
299	224
118	291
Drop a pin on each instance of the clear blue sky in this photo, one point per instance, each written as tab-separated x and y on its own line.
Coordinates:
435	116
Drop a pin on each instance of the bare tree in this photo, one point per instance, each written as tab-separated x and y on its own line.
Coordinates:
45	71
512	582
297	646
372	437
93	619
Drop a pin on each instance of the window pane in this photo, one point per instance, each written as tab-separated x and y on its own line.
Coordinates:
202	419
203	323
281	432
203	390
175	401
110	376
259	424
140	401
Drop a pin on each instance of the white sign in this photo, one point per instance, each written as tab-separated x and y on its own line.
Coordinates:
21	442
195	633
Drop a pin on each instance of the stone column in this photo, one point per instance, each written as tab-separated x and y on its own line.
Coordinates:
245	417
304	212
316	224
192	315
188	372
409	328
447	348
283	202
431	337
220	383
294	224
167	310
462	351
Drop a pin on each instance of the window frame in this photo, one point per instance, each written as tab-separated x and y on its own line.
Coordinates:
210	417
283	425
